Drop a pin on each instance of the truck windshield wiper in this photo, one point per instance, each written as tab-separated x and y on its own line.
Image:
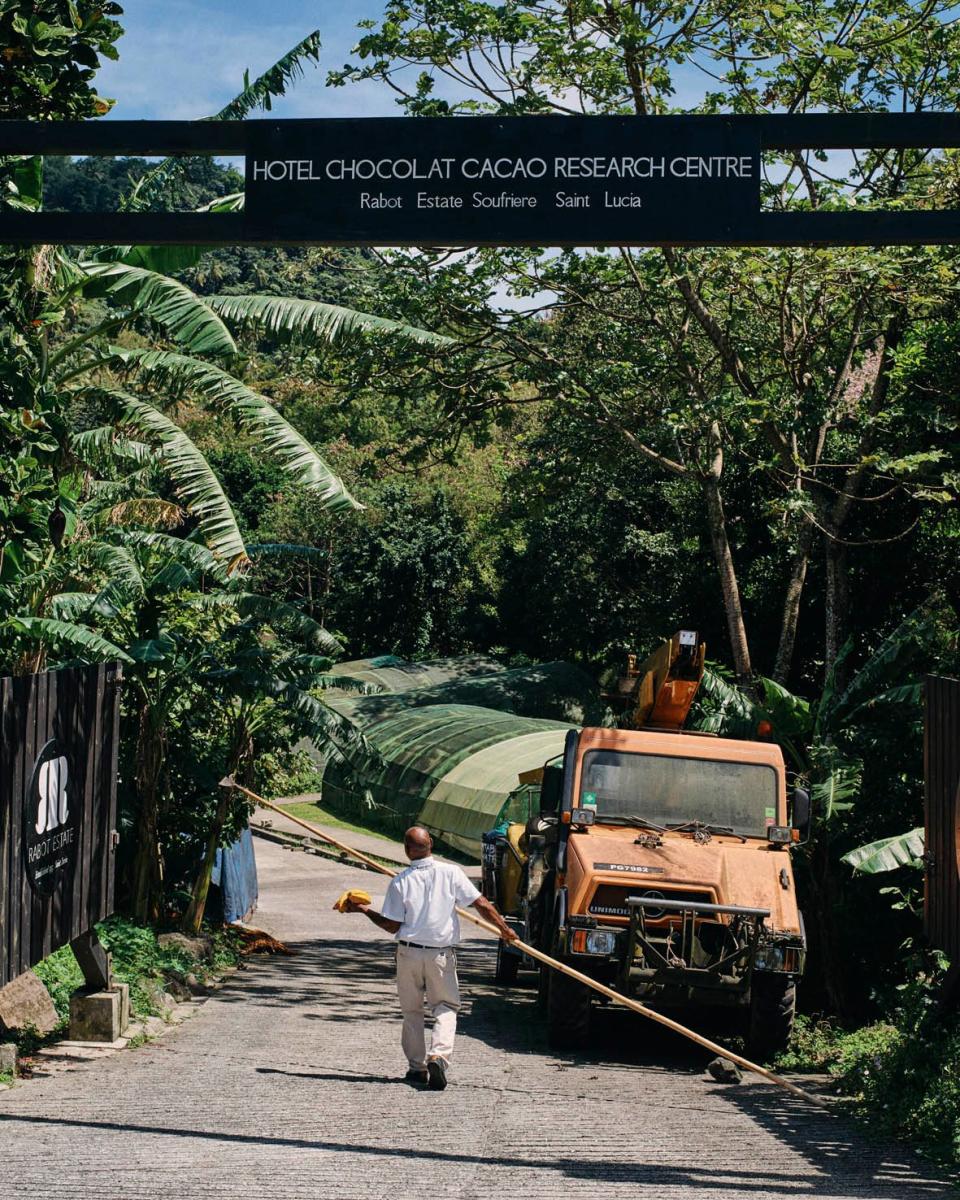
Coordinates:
642	822
702	826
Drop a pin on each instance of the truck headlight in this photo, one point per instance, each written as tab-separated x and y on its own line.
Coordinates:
769	958
600	941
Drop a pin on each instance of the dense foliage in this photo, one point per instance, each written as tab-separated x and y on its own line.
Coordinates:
761	444
51	52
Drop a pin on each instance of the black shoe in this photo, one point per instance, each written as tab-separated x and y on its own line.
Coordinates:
417	1076
437	1072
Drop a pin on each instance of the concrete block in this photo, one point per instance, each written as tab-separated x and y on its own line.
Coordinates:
124	990
8	1058
95	1016
25	1003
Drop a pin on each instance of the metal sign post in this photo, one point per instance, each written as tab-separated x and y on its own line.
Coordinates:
517	181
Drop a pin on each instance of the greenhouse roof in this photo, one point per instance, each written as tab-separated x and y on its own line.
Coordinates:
451	766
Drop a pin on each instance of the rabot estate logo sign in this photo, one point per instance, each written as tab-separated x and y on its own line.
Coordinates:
51	820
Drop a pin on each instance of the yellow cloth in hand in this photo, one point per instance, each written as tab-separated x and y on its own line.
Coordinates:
355	896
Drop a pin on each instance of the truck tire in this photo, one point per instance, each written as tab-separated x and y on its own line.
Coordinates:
543	983
568	1012
507	967
773	1005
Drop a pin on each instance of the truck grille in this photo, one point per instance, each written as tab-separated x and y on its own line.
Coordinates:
610	900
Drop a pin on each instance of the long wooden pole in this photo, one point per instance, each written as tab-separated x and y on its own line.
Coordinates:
554	964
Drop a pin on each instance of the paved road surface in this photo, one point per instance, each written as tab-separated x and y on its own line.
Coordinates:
286	1086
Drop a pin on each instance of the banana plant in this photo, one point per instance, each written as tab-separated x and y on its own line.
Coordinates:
171	612
888	854
194	347
196	355
812	733
818	744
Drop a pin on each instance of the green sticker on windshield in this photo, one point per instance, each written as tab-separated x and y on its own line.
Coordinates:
588	799
770	813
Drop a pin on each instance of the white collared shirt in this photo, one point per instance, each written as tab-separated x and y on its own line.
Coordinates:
424	898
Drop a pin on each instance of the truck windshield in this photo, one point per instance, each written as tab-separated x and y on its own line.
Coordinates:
671	791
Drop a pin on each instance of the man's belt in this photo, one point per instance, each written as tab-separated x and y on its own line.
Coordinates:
421	946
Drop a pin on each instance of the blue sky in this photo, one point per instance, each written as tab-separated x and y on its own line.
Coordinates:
183	59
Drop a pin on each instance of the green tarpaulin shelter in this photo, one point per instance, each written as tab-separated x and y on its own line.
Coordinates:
447	750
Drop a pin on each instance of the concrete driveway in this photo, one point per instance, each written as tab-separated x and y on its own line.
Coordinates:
287	1084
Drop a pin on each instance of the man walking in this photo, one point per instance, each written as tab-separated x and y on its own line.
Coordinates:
420	909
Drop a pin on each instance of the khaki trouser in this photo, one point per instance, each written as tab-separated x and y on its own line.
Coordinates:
430	973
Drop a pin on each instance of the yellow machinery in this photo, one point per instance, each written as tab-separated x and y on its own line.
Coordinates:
658	693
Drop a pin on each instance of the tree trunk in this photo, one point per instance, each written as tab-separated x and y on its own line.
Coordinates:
791	605
193	917
148	861
835	607
828	927
723	554
241	757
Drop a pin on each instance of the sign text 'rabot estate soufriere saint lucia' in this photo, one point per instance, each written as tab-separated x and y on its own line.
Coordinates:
542	180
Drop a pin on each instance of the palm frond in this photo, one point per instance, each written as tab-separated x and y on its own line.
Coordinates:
885	667
725	708
273	82
105	493
171	304
171	577
195	556
191	474
274	612
312	321
166	260
258	94
105	446
256	414
839	782
117	564
888	854
71	606
63	636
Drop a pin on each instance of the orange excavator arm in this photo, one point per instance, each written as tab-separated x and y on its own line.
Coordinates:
658	693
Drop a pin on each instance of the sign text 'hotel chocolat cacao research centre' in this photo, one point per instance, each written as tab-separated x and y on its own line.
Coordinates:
539	180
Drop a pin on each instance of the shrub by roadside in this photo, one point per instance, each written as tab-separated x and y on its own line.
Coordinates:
139	960
902	1075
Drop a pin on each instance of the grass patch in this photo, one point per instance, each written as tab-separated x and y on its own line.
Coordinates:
6	1077
902	1075
138	960
308	811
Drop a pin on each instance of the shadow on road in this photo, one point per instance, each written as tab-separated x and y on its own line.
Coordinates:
854	1182
349	981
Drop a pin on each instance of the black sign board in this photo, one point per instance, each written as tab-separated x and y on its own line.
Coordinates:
51	820
59	735
542	181
523	180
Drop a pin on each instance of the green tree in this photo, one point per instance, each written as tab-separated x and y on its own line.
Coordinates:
790	360
51	53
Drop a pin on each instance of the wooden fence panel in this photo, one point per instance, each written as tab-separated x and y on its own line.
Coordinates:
941	771
59	740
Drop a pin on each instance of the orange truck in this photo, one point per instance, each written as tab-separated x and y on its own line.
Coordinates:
659	864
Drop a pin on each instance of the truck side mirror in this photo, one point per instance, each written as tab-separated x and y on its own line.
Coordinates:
802	812
551	790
